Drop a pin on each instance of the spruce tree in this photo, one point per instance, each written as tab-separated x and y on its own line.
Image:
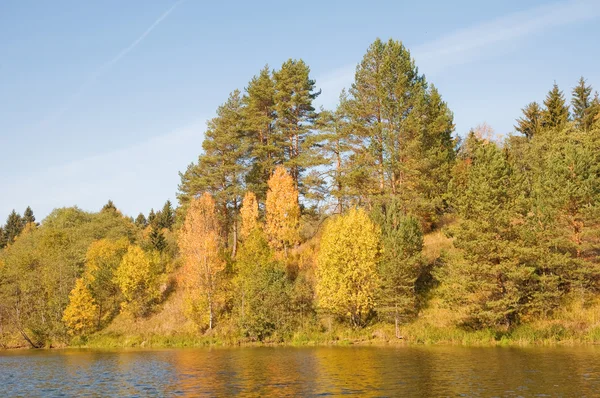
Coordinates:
141	221
582	102
167	216
556	112
531	121
13	227
151	217
28	217
157	240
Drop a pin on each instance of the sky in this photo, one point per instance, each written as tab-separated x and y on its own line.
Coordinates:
109	99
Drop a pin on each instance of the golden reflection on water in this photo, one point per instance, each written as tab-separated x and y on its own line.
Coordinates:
277	371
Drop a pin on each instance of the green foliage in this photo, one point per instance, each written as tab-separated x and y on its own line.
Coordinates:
140	221
531	121
401	263
402	132
13	227
556	112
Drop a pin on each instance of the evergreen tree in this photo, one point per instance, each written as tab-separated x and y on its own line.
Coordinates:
531	121
556	112
494	278
221	168
401	263
3	238
28	217
582	104
167	216
403	131
157	240
109	206
13	227
141	221
151	217
265	146
294	95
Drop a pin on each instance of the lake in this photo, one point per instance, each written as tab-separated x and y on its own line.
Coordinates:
321	371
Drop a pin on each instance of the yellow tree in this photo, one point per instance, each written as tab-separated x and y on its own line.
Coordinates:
249	214
347	277
139	279
81	313
282	210
200	243
101	261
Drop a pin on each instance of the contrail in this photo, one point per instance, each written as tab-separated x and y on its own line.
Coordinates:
106	66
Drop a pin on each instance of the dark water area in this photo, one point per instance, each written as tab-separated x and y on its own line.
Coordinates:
322	371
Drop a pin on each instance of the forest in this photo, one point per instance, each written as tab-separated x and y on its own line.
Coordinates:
375	220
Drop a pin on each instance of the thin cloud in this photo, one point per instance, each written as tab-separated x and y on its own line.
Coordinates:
467	44
107	66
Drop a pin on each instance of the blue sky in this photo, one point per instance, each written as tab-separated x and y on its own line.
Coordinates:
109	99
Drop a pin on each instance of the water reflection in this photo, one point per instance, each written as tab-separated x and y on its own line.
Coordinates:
368	371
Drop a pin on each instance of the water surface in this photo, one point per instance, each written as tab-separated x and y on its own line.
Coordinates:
323	371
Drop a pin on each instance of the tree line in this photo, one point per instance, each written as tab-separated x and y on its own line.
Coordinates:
292	214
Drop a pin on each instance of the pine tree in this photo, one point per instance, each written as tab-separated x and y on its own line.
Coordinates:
282	211
13	227
334	145
494	277
28	217
347	279
141	221
403	130
556	112
221	168
200	243
265	146
531	122
294	95
582	103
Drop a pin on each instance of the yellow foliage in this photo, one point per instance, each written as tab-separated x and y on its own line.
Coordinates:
282	210
81	314
199	243
103	253
249	214
139	280
347	278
